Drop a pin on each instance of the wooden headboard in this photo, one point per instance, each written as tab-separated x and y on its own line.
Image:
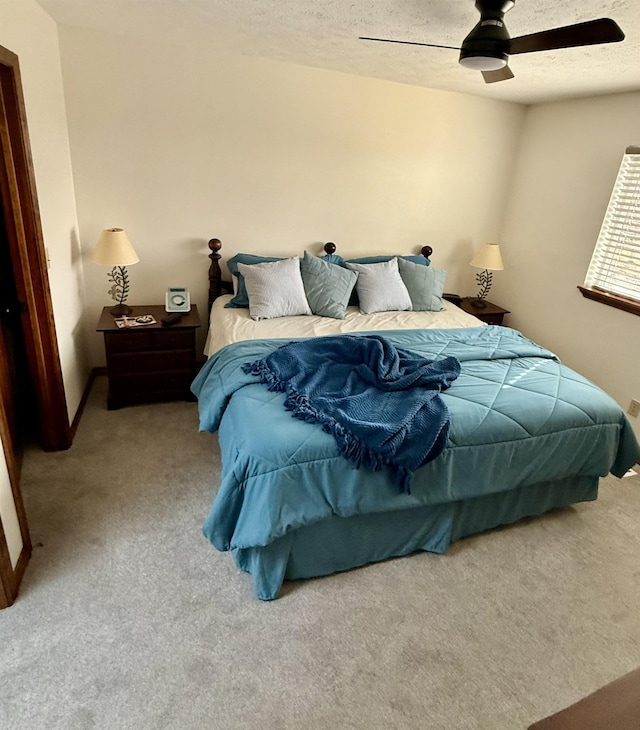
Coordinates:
218	286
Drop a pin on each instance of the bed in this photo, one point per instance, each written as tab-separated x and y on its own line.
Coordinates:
525	435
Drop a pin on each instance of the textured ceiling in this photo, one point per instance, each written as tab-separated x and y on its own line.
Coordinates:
324	34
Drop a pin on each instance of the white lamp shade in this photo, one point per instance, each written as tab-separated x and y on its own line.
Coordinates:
488	257
114	249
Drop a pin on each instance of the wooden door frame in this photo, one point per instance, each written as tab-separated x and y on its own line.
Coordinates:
26	243
28	255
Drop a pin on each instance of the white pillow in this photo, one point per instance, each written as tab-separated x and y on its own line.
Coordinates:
275	289
380	287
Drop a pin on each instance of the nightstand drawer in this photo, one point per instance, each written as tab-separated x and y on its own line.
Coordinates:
492	318
148	340
151	382
170	339
126	341
123	363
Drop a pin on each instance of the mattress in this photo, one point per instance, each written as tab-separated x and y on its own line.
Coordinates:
227	325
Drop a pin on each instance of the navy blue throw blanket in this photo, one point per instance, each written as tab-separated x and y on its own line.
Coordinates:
381	403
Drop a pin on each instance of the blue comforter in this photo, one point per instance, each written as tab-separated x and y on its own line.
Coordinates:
381	403
518	417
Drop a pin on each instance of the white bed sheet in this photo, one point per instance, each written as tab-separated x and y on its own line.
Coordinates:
235	325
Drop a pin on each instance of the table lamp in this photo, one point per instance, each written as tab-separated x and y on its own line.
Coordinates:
489	259
114	249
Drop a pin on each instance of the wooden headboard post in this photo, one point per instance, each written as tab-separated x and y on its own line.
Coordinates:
329	247
426	251
215	273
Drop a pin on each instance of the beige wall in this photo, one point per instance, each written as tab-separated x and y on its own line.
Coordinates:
567	164
177	146
27	31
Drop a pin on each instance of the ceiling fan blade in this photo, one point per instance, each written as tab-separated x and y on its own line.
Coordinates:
406	43
590	33
502	74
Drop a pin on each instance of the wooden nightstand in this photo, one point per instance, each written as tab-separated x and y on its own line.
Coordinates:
491	314
149	363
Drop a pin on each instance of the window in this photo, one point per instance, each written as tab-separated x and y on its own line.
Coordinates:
614	272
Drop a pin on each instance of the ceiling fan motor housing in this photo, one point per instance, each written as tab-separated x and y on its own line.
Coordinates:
486	48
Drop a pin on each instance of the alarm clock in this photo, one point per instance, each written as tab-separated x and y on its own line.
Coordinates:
177	299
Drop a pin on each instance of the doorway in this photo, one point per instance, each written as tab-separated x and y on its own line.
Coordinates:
17	388
31	386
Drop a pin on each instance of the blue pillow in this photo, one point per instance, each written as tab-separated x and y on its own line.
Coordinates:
415	259
425	285
333	258
328	287
241	299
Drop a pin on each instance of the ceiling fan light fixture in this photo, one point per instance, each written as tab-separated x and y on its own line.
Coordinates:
484	63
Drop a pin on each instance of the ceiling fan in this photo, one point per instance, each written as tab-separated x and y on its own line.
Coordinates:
488	47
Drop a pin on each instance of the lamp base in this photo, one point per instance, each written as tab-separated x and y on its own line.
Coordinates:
478	303
120	310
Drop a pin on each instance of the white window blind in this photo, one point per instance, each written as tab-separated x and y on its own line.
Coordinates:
615	264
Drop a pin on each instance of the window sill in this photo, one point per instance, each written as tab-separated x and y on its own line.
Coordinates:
611	300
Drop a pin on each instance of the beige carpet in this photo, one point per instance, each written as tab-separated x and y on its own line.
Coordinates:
128	618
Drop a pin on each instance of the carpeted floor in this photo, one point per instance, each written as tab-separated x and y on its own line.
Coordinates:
128	618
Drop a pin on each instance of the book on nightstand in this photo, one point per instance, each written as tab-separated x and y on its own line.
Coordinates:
139	321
